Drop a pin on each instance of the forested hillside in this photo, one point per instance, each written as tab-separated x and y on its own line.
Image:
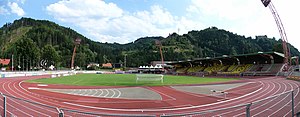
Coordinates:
32	41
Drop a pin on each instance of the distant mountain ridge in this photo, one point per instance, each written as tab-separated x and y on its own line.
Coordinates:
44	35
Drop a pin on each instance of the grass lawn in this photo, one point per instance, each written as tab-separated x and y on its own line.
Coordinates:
125	80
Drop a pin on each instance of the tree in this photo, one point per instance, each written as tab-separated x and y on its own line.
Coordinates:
278	48
50	55
233	51
28	51
80	60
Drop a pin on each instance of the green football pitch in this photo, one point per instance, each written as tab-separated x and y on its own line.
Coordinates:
125	80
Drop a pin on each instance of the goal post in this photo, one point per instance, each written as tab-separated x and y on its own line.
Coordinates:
149	77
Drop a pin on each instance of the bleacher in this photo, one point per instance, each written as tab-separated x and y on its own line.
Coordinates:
264	70
235	69
195	69
253	64
182	70
231	70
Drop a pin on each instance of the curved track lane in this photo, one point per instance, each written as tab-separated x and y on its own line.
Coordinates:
173	101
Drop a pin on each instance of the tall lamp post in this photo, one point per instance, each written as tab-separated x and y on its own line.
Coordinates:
125	61
77	42
286	50
158	43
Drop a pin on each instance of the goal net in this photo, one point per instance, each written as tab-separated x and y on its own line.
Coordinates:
149	77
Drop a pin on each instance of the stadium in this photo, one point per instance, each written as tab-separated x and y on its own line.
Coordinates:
257	84
239	85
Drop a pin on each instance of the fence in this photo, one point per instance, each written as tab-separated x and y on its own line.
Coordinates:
11	106
283	104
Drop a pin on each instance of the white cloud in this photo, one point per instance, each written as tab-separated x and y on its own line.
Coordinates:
248	17
21	1
161	16
290	17
72	9
16	9
224	9
3	10
106	22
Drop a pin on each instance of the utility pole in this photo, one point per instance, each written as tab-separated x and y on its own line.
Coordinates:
125	61
19	65
12	62
23	64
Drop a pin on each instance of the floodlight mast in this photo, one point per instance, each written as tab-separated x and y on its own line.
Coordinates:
286	50
77	42
158	43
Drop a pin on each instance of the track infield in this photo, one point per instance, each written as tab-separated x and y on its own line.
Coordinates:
126	80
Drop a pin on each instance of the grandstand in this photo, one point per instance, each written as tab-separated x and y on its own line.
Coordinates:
254	64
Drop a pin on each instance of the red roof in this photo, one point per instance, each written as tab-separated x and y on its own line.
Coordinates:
4	61
107	65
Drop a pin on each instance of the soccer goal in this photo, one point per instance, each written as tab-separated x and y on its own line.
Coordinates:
149	77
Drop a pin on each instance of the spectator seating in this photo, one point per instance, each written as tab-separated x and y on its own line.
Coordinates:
264	70
242	69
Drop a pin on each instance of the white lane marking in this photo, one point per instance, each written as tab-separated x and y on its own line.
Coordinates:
40	107
37	98
285	104
87	92
119	92
113	93
238	86
80	92
101	93
33	88
230	104
76	91
42	85
12	101
256	86
167	109
30	109
259	98
273	104
93	92
107	93
70	92
294	98
162	94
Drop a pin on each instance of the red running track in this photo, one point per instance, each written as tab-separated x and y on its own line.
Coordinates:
173	101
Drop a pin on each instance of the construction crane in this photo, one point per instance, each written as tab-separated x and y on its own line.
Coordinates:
77	42
286	50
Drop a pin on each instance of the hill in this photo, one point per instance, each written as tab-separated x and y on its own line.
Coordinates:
32	41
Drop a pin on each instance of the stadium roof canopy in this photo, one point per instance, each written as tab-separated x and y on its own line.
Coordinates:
252	58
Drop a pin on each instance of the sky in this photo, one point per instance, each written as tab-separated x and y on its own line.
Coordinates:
124	21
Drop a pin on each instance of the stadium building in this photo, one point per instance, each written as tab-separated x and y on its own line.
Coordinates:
254	64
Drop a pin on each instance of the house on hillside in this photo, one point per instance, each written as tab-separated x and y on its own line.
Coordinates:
3	63
107	65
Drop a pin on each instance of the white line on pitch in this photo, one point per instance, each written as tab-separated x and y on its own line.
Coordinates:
167	109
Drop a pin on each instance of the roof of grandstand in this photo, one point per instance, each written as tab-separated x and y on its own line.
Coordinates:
252	58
